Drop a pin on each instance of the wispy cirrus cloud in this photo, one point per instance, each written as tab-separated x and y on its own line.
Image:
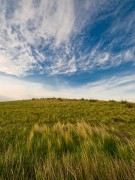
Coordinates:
29	26
52	37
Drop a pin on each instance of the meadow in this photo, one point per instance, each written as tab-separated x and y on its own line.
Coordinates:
61	139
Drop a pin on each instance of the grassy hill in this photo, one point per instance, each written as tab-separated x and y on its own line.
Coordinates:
67	139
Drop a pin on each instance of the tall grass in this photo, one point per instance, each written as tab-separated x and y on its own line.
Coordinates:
69	151
67	139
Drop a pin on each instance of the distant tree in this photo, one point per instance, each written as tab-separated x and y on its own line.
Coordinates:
92	100
60	99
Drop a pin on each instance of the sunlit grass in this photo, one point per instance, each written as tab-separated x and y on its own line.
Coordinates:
39	141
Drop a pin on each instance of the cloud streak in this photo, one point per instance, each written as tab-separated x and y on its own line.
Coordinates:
48	36
117	88
32	23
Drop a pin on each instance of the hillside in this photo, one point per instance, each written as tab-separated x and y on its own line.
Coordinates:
67	139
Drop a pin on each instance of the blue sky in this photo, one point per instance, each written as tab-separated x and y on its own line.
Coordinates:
67	48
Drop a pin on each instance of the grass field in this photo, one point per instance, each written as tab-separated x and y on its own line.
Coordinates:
60	139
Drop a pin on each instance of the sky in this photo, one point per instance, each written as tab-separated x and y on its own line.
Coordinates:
67	48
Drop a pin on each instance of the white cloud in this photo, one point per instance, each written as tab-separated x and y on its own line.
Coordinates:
117	88
24	25
51	19
104	58
64	67
28	28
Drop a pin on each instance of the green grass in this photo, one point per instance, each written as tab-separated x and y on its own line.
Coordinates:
67	139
